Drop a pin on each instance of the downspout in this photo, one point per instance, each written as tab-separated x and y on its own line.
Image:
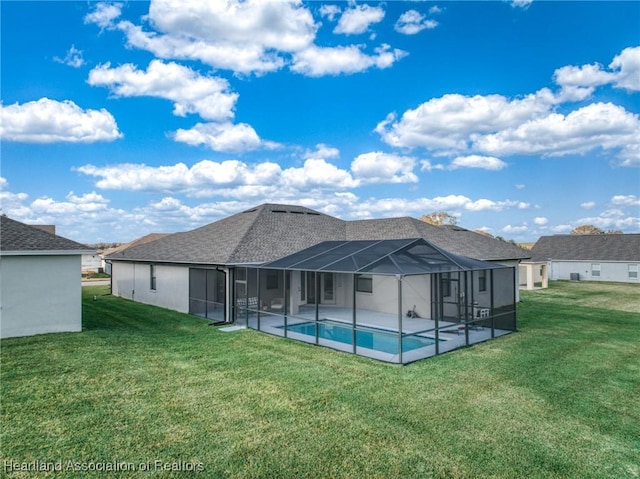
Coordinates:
108	261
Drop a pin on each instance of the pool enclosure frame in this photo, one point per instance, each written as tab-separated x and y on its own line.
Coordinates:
393	300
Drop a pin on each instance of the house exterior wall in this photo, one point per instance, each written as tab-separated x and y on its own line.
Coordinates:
91	262
513	264
416	290
133	281
40	294
609	271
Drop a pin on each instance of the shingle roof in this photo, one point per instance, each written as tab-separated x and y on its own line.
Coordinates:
263	233
271	231
19	237
142	240
601	247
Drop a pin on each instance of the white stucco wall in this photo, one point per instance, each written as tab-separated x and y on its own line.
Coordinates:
40	294
609	271
513	264
91	262
133	281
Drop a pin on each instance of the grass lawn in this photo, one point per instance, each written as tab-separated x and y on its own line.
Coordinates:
557	399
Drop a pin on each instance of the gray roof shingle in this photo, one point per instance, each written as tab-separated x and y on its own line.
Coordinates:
263	233
601	247
17	237
271	231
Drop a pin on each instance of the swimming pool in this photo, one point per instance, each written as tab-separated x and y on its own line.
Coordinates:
376	339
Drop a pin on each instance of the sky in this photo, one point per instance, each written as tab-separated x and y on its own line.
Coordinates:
519	118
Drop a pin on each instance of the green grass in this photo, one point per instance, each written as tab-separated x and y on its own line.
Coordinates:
557	399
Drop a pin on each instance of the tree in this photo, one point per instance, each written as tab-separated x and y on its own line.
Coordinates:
614	232
438	218
586	230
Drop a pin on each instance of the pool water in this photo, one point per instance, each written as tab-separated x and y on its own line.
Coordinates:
377	340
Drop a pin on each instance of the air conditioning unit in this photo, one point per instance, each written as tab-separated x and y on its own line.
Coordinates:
574	276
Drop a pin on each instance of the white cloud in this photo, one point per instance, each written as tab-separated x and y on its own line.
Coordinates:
564	228
317	173
322	151
180	178
330	11
488	125
490	205
494	125
626	67
515	229
243	36
624	72
358	18
104	14
540	220
625	200
241	58
521	186
412	22
587	205
521	3
379	167
476	161
223	137
73	58
614	219
318	61
231	178
452	121
206	96
598	125
51	121
435	9
252	36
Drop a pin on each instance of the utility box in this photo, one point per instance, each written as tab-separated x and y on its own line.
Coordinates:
574	276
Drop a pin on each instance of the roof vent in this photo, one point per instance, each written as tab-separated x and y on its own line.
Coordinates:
278	211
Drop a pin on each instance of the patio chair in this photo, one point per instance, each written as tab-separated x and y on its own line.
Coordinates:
277	304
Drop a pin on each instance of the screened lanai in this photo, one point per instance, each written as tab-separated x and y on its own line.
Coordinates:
393	300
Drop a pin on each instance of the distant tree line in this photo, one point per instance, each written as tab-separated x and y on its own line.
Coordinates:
103	246
592	230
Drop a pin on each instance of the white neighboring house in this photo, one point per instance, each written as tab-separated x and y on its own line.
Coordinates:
40	282
91	263
599	257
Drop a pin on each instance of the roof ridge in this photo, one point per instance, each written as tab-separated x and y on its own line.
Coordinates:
260	210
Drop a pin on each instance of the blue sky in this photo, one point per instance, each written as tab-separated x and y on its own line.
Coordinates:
519	118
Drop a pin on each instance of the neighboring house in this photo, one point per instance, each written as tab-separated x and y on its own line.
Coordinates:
40	289
598	257
106	266
193	272
91	263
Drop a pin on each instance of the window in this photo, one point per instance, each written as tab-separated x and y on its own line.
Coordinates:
364	283
152	277
595	269
482	280
633	271
272	279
